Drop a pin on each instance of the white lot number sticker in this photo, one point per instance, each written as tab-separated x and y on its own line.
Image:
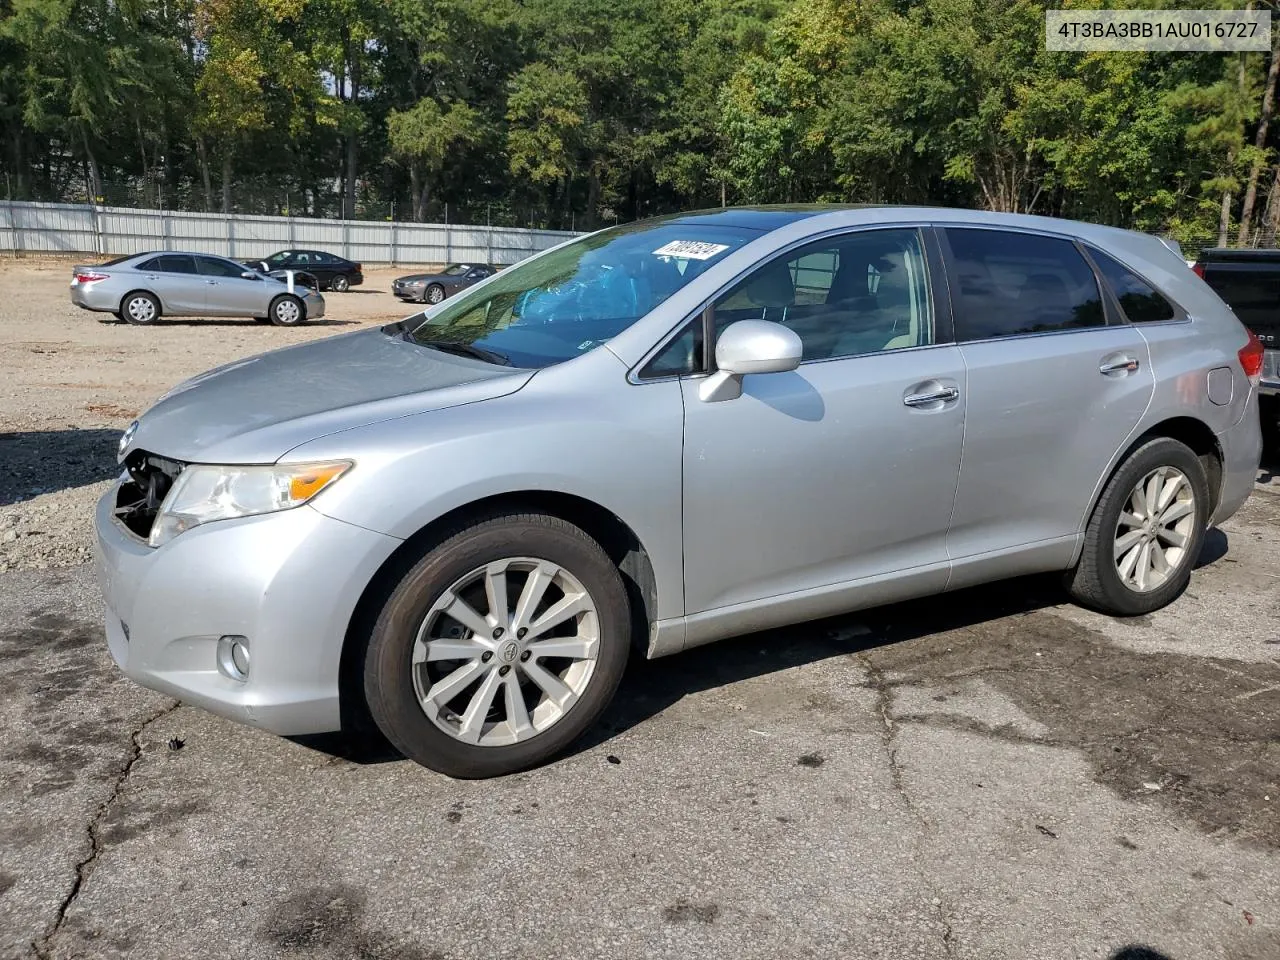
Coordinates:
690	250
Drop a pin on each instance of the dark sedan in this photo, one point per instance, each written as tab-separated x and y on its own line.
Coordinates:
331	272
434	287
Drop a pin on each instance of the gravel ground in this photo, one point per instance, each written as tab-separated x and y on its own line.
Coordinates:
69	385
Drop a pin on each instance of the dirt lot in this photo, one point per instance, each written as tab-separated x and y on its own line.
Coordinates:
69	384
997	775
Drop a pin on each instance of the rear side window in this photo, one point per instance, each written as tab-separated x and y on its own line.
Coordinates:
170	264
1141	302
1006	284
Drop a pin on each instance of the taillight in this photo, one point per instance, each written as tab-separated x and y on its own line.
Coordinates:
1251	357
1198	270
90	277
359	269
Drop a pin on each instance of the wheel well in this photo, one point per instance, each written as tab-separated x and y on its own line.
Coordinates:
617	539
1203	443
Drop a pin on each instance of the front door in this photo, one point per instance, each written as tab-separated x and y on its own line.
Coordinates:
229	294
1054	391
843	470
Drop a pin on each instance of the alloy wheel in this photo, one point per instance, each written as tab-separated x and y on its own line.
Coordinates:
435	294
506	651
1155	527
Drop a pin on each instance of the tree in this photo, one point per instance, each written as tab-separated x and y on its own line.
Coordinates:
424	136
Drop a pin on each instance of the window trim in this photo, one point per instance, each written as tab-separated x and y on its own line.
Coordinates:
1111	317
936	286
1180	315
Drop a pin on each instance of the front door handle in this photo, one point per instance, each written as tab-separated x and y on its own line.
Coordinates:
1119	364
943	395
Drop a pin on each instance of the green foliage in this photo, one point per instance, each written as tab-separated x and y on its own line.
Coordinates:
590	110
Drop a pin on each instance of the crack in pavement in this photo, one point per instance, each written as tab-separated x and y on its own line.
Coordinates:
84	868
884	706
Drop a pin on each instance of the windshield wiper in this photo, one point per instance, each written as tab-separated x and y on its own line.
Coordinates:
468	350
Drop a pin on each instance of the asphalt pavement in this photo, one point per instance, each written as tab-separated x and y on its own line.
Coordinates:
991	774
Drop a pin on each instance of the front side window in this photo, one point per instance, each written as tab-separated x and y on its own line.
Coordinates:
568	301
857	293
1140	301
218	268
1006	284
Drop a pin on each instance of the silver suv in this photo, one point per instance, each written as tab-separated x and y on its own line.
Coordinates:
457	528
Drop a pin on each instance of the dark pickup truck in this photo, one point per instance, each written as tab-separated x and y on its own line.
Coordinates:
1249	282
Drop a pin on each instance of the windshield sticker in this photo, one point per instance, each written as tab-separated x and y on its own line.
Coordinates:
690	250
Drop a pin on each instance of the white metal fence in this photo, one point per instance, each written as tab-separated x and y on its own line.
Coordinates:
75	228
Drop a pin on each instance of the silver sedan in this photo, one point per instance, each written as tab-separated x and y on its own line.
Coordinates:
145	287
459	527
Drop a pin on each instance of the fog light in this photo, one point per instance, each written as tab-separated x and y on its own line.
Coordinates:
233	657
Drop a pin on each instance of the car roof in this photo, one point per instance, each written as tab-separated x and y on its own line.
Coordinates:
763	217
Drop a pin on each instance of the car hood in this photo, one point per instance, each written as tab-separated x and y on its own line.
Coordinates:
423	276
257	409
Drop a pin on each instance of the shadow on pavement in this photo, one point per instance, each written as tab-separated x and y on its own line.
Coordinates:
45	461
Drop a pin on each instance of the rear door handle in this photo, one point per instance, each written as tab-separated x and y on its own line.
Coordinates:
944	395
1120	364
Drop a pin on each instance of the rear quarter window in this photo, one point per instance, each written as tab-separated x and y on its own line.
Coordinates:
1140	301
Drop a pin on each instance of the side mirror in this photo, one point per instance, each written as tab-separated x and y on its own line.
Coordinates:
250	275
750	346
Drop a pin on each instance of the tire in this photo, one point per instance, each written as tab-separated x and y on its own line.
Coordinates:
139	307
287	311
1097	580
433	294
434	734
340	284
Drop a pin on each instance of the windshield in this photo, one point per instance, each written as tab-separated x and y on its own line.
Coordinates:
454	269
280	257
557	306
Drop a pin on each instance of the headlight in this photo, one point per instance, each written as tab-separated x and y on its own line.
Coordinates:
203	493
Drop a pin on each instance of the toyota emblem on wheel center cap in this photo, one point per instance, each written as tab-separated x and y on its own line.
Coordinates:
509	651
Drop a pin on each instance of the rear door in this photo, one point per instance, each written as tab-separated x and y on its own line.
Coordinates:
172	277
1053	390
230	294
317	264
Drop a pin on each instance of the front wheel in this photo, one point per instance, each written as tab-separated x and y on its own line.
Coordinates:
434	294
1145	533
340	284
287	311
499	648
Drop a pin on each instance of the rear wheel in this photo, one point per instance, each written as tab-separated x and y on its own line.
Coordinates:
287	311
499	648
1145	533
140	307
340	284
